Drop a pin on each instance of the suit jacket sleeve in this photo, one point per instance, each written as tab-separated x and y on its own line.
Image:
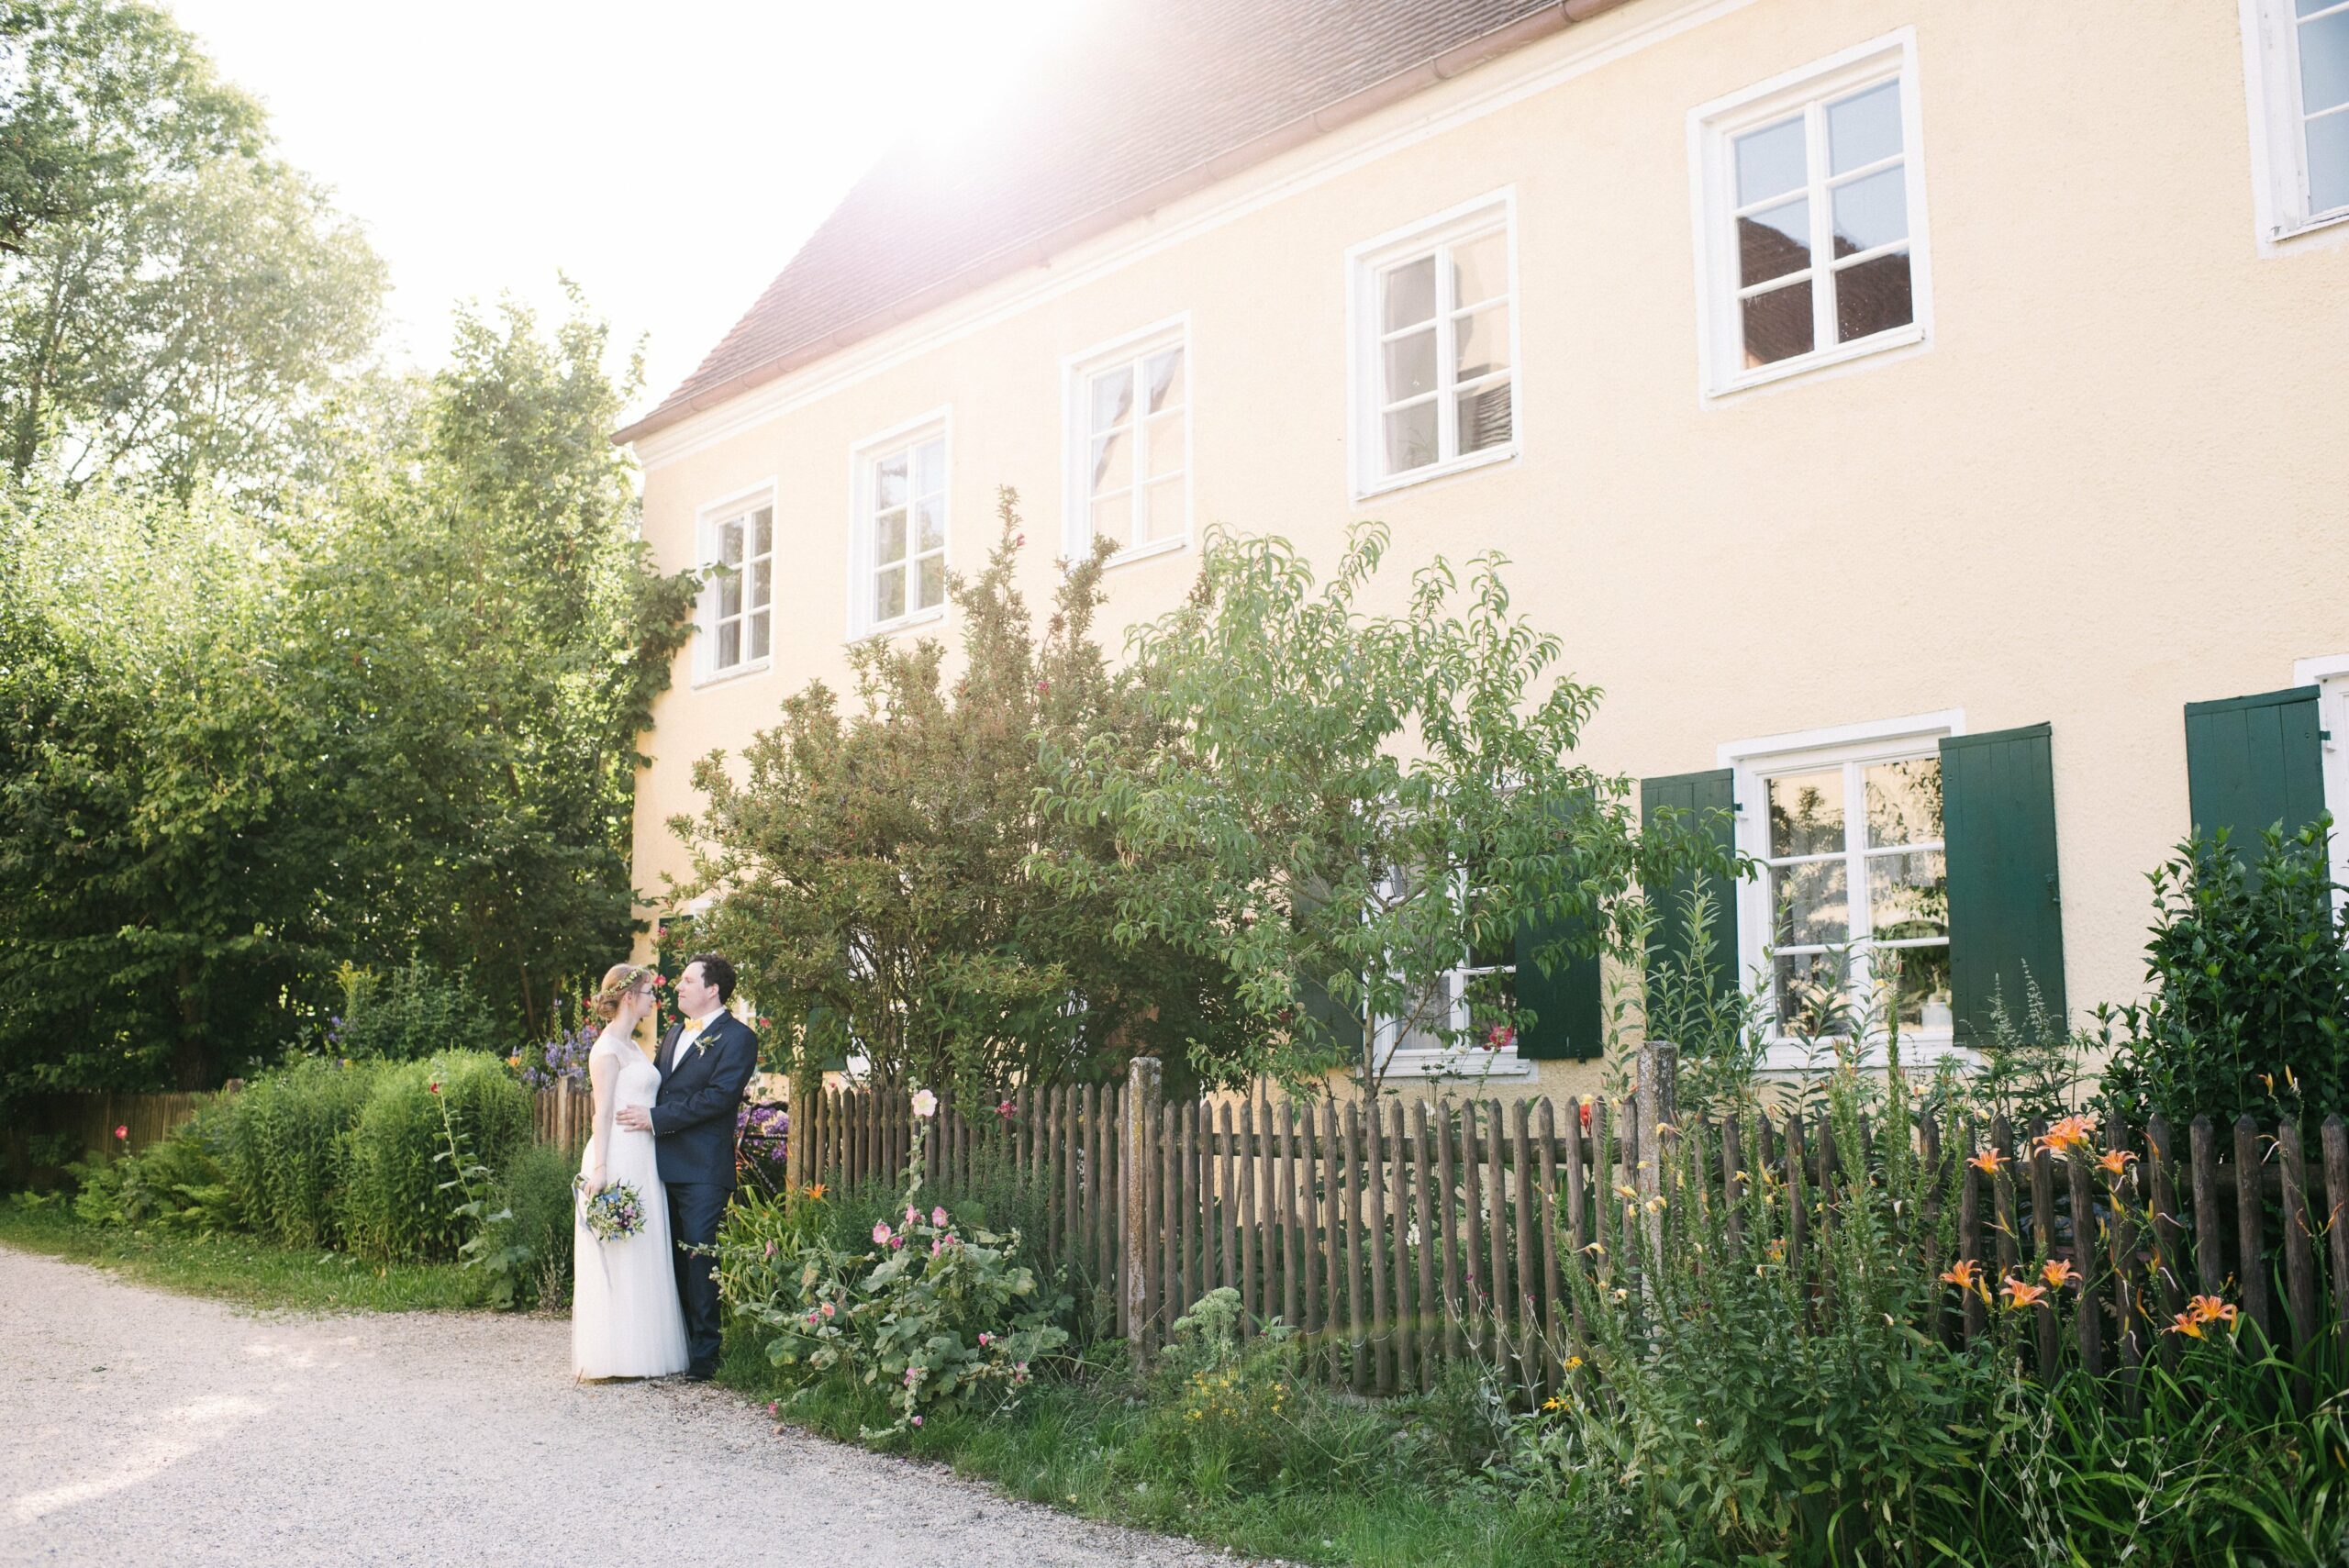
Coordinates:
720	1093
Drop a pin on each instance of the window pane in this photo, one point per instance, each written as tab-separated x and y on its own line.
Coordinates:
2325	62
930	590
1908	895
1113	519
730	595
1918	981
730	645
1480	269
1164	373
762	585
1113	398
1410	437
889	593
1422	1029
2328	163
729	544
888	538
1773	242
1770	162
1872	298
1863	128
1871	211
1480	342
929	468
1162	511
1812	901
758	635
1410	366
1113	463
1409	293
930	524
1487	996
1904	802
1164	434
1777	325
762	531
890	482
1808	995
1485	415
1805	812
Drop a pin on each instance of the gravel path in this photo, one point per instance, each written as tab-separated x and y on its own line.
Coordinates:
140	1426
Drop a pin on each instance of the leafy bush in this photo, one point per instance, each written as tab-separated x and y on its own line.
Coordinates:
408	1014
404	1200
288	1152
1228	1408
2249	1004
525	1248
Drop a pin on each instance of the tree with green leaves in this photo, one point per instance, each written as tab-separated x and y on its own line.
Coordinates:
874	869
1349	806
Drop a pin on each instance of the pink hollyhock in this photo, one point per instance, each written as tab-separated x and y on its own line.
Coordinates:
828	1309
896	1241
985	1339
122	1132
881	1233
938	1214
916	1420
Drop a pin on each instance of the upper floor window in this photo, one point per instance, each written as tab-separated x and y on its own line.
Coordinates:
737	544
2295	55
1129	443
899	547
1810	212
1435	346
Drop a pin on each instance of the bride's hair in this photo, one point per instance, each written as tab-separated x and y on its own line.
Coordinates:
605	1004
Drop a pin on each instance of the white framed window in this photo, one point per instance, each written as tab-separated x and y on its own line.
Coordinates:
2296	68
898	527
1809	201
737	548
1848	926
1129	442
1432	315
2331	678
1483	981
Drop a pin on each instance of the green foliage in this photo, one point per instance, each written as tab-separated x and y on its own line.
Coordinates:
1719	1028
525	1249
411	1012
289	1148
2250	976
873	867
1348	801
402	1199
1228	1408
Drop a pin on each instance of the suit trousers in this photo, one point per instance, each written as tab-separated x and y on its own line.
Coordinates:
695	1210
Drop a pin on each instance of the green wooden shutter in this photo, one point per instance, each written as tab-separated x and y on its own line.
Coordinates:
1708	799
1569	1017
2006	913
2253	763
1313	994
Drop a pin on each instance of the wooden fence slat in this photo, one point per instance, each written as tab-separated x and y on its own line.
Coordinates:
2090	1320
2121	1231
2042	1236
2210	1262
1194	1204
1455	1311
1170	1188
1476	1296
1251	1222
2253	1276
1227	1186
2336	1218
1405	1332
1798	1204
1381	1302
1357	1329
2169	1236
1292	1253
1497	1202
1552	1362
1527	1216
1315	1172
1969	1227
1332	1242
2299	1252
1928	1152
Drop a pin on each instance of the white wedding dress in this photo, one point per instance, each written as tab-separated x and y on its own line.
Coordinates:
625	1320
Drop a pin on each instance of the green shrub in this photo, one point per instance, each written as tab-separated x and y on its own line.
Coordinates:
288	1151
408	1014
1226	1409
526	1248
402	1199
2250	1007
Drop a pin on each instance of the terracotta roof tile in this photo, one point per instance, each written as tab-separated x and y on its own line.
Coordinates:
1140	96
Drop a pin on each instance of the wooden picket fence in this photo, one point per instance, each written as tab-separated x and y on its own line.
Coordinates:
1402	1239
90	1121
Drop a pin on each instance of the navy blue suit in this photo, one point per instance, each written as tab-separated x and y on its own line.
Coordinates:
693	1128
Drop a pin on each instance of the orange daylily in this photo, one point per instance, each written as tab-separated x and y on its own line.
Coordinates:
2068	1133
816	1190
2212	1309
2020	1292
2059	1273
2185	1324
1966	1274
1989	1162
2115	1162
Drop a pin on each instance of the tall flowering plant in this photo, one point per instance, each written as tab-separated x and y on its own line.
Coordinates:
761	1146
552	1061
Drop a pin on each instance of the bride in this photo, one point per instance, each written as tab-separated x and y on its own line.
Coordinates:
625	1320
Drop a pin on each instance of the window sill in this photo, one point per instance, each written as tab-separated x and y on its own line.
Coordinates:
1471	1063
1150	551
2283	233
1842	354
1484	458
736	672
1784	1056
903	623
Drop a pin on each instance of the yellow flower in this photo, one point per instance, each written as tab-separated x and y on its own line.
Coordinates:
1572	1362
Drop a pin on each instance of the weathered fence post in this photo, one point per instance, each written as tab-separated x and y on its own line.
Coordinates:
1142	1084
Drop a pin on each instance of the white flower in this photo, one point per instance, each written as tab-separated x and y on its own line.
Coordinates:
925	1104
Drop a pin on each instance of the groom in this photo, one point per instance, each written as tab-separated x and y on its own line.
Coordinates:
705	1063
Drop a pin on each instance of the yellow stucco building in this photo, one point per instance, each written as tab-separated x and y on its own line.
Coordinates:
1858	386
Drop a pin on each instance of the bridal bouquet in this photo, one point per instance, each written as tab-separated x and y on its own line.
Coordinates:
613	1215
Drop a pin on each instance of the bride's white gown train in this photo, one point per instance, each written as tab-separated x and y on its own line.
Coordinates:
625	1320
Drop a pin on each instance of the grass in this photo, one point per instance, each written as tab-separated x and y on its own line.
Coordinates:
240	1269
1082	1448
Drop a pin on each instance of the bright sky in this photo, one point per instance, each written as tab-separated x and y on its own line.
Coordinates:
669	157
